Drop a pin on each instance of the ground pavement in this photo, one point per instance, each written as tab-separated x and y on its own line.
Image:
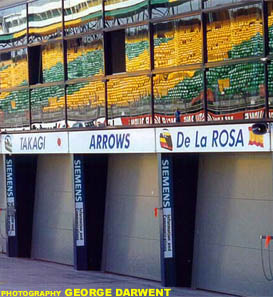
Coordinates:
31	275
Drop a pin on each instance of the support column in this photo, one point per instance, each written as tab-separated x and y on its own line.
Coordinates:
80	244
167	236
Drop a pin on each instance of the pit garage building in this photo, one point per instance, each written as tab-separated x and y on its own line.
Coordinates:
136	138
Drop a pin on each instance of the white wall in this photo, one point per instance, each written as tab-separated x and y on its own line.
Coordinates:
53	210
131	236
234	207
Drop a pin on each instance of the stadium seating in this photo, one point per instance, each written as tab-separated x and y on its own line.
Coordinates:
14	101
182	46
137	54
180	85
13	74
52	59
85	62
237	38
85	94
127	90
244	79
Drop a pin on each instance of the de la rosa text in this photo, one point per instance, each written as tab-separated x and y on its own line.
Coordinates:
222	138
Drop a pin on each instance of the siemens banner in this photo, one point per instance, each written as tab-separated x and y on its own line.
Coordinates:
11	197
113	141
167	205
228	138
79	196
35	143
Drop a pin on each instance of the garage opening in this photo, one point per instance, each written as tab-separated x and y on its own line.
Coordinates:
179	180
185	182
90	178
20	191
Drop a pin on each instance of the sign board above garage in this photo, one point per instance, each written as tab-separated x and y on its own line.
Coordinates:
194	139
113	141
35	143
203	139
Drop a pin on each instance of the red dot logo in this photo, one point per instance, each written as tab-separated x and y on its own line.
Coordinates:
59	141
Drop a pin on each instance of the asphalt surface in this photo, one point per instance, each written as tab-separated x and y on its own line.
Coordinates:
31	275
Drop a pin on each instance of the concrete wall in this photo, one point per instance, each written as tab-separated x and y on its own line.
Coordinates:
3	204
131	236
53	210
234	207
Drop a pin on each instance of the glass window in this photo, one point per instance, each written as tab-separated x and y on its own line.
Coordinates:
48	107
86	104
13	69
114	46
214	3
137	49
178	42
235	33
52	62
82	16
162	8
14	109
85	56
129	101
45	20
236	92
178	97
119	12
13	26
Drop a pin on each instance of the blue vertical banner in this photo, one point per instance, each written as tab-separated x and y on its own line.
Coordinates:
11	219
167	221
80	245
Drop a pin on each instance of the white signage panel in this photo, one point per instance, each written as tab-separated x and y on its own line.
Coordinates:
167	233
79	221
215	138
222	138
35	143
113	141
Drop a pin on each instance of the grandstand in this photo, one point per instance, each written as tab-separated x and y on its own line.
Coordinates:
14	70
178	43
137	49
234	33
